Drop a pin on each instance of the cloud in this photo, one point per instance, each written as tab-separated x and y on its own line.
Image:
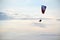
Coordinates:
22	12
3	16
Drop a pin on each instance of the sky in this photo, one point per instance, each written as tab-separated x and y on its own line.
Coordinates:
30	8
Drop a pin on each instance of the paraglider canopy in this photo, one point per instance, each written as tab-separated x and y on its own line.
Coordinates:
43	8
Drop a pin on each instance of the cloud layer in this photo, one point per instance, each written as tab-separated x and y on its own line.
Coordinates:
3	16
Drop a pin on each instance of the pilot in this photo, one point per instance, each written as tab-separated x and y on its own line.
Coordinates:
40	20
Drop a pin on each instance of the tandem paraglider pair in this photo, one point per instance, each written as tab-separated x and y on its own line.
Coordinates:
43	9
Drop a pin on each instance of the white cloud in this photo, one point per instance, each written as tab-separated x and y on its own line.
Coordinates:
22	11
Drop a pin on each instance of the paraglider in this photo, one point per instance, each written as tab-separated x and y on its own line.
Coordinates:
43	9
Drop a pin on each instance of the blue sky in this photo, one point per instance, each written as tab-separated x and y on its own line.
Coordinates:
29	3
30	8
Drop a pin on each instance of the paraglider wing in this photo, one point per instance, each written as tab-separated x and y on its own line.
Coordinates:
43	8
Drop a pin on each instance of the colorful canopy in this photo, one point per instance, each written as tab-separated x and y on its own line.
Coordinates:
43	8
